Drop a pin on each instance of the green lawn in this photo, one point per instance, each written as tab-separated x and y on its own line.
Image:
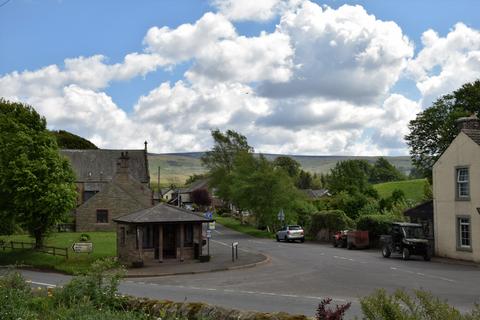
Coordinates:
236	225
413	189
104	245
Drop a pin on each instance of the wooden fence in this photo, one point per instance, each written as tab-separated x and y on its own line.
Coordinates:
55	251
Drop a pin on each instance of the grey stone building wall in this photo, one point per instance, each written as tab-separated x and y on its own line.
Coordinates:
120	197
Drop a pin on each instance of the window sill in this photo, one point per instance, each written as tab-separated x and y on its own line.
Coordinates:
103	223
464	249
462	199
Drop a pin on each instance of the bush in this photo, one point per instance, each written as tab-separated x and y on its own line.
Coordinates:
98	286
14	293
84	237
400	306
375	224
325	313
330	220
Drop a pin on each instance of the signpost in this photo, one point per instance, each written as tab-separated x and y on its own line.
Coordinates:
281	215
234	251
82	247
209	235
211	225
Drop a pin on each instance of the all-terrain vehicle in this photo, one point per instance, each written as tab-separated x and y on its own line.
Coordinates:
407	239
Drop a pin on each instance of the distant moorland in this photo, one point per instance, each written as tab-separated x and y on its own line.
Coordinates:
175	168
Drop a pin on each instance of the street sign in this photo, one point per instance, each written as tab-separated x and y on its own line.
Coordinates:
281	215
211	225
209	234
82	247
208	215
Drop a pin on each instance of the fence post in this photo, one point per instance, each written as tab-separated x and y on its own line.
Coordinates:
66	253
53	251
11	244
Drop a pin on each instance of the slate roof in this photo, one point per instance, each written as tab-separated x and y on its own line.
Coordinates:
162	213
473	134
101	164
315	193
422	211
199	184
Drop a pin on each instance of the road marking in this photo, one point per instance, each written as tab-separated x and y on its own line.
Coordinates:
42	284
222	243
263	293
422	274
218	232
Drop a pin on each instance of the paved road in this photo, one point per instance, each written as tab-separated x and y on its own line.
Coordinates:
300	275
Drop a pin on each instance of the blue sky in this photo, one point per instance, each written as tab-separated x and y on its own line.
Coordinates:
35	34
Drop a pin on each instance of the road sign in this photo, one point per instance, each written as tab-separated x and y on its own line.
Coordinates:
209	234
281	215
208	215
82	247
211	225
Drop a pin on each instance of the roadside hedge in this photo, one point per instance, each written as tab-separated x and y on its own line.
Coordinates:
330	220
375	224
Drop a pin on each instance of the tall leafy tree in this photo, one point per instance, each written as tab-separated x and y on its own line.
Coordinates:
350	176
384	171
220	160
432	131
291	166
36	183
259	186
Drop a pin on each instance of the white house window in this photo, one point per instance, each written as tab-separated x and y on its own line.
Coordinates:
464	233
463	185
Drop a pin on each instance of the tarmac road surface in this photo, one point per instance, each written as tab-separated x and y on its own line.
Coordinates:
299	275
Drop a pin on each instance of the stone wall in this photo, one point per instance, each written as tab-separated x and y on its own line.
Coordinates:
120	197
199	311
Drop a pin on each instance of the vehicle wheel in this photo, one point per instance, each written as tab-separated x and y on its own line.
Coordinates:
386	252
286	239
278	239
302	240
405	254
427	256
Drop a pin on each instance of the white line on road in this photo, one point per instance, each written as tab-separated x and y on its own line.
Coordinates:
217	231
42	284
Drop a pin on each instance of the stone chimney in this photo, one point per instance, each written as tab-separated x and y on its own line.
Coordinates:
468	123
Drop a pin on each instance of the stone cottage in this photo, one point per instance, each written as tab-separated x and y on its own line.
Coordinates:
110	183
159	233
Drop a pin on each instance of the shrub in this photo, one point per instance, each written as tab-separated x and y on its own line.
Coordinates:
84	237
325	313
375	224
98	286
14	293
401	306
329	220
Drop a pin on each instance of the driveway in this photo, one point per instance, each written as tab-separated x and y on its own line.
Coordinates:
299	275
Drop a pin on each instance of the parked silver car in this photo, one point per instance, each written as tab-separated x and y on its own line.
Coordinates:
291	233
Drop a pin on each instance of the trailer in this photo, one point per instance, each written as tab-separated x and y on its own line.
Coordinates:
357	239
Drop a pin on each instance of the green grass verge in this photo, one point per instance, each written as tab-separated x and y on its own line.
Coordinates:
104	245
413	189
236	225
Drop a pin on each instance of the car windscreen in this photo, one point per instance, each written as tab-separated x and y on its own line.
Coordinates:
294	228
414	232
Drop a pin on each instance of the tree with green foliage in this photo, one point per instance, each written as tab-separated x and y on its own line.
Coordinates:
67	140
263	189
220	160
350	176
291	166
432	131
384	171
37	187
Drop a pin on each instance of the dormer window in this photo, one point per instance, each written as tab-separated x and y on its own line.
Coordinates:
463	184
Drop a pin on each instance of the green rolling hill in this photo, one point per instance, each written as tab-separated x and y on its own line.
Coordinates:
175	168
